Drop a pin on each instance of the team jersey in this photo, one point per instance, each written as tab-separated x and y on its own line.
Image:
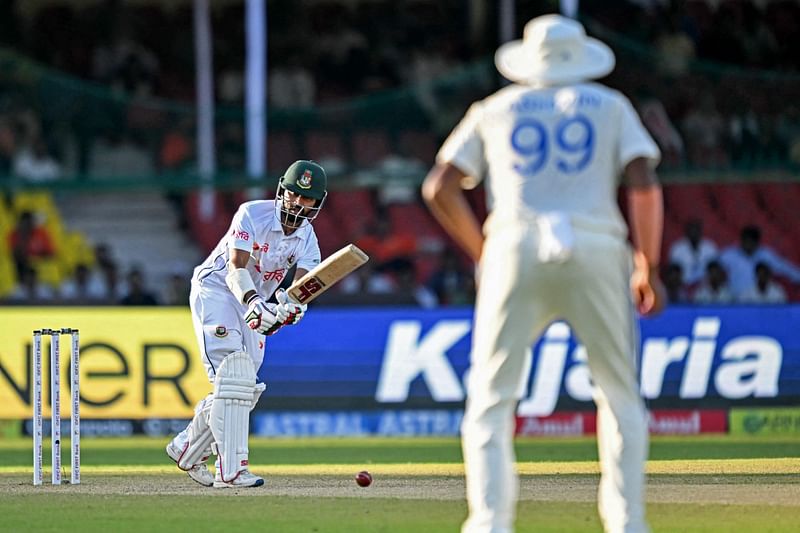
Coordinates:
547	149
255	228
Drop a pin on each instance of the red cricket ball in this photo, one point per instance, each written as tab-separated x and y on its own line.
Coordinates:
363	478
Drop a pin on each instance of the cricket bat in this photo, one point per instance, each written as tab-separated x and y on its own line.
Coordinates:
319	279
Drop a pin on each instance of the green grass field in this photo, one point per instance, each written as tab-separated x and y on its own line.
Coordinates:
714	484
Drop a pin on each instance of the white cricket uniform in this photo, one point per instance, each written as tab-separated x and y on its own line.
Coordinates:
217	315
556	248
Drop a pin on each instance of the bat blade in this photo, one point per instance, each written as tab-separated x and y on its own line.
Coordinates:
319	279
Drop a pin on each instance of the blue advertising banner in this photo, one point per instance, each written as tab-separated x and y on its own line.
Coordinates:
398	358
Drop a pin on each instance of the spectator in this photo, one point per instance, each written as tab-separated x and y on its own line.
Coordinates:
119	154
390	250
765	291
292	85
740	262
658	123
367	281
177	290
138	293
692	252
407	284
29	290
177	146
703	129
29	242
126	64
8	144
341	50
35	164
789	132
452	283
430	59
230	87
674	283
759	43
83	287
714	289
744	133
675	48
109	273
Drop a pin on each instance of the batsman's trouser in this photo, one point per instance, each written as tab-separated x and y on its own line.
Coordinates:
220	328
518	296
215	307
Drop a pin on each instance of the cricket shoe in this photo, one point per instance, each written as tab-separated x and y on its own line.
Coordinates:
200	472
243	479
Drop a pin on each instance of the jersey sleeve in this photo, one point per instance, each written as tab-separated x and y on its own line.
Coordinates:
463	148
635	141
243	231
311	255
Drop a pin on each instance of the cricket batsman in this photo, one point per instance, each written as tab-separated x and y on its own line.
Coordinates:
231	316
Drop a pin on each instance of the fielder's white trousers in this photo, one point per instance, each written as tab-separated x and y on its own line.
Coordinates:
518	296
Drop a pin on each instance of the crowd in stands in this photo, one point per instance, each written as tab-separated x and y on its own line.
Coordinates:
716	82
748	272
701	116
38	268
682	62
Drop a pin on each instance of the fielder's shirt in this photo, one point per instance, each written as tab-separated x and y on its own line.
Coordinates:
560	148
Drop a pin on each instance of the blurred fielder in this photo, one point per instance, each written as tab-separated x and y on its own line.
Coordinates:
231	316
551	148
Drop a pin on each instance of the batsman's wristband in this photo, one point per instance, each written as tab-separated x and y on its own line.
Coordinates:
240	283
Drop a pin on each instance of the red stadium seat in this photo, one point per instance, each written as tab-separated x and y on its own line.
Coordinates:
673	230
780	201
425	266
686	201
282	151
370	147
415	218
327	228
736	203
207	232
718	231
321	145
354	209
420	145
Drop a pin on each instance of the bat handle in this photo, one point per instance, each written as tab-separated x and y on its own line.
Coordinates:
283	297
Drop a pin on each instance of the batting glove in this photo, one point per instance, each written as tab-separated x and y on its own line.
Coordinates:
260	316
288	312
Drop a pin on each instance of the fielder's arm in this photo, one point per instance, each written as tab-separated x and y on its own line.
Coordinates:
444	195
646	212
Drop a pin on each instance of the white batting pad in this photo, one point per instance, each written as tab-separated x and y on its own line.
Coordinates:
234	388
259	388
198	447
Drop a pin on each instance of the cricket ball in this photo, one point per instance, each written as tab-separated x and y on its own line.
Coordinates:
364	479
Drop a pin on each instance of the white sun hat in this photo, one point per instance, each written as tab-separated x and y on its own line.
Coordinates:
554	50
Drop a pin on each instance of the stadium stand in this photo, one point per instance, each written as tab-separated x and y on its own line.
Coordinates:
371	110
282	151
370	147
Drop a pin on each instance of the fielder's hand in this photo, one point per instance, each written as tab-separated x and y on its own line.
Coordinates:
261	316
649	293
288	312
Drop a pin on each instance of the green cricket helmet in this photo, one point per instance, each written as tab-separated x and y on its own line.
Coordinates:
308	179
